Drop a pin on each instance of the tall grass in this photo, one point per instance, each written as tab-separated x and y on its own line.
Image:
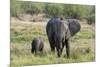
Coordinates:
82	45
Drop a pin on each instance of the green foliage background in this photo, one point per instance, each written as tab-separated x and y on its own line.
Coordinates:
54	10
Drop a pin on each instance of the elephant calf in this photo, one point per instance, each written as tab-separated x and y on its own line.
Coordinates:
37	45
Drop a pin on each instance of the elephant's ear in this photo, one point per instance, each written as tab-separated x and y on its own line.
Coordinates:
74	26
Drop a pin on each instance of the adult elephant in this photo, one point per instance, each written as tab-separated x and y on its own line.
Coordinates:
59	31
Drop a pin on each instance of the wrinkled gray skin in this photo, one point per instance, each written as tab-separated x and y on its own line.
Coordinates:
74	26
59	31
37	46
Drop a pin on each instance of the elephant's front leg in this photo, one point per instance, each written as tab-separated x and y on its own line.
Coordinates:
67	48
63	44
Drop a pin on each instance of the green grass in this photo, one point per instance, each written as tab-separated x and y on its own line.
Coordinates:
82	45
22	33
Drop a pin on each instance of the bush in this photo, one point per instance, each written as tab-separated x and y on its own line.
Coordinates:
53	10
32	8
74	11
22	7
15	8
90	19
91	15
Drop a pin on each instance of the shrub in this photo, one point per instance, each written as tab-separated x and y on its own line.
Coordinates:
32	8
91	15
53	10
90	19
22	7
74	11
15	8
